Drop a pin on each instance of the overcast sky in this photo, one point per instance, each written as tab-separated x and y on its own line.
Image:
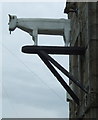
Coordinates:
0	63
29	88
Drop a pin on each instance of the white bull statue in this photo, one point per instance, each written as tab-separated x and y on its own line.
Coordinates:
35	26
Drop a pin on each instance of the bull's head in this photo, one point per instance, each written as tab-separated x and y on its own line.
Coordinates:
12	23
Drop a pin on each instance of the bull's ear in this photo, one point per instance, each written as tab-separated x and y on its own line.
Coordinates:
9	16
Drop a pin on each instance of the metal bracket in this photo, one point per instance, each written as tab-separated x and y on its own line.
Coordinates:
43	52
63	70
54	50
57	75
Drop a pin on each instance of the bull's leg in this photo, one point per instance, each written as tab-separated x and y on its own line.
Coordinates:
66	37
35	36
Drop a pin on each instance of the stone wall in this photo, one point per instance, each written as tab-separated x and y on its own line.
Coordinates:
84	32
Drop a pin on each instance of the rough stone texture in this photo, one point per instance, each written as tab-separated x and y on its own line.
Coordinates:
84	32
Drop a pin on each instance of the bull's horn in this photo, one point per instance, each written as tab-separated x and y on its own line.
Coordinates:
9	16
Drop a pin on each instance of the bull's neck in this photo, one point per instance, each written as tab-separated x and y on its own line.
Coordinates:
22	24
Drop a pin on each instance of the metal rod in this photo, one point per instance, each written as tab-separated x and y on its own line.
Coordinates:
54	50
71	77
59	78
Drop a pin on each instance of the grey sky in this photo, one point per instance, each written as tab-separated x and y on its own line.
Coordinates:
0	63
29	88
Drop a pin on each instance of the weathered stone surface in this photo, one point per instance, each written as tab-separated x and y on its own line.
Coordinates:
84	32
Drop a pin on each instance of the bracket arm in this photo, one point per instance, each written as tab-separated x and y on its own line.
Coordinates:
63	70
59	78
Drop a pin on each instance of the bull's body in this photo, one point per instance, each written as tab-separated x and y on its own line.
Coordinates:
35	26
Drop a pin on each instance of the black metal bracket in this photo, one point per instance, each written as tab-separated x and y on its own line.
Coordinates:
43	52
54	50
63	70
57	75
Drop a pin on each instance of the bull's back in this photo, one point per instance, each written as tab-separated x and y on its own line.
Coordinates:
44	24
